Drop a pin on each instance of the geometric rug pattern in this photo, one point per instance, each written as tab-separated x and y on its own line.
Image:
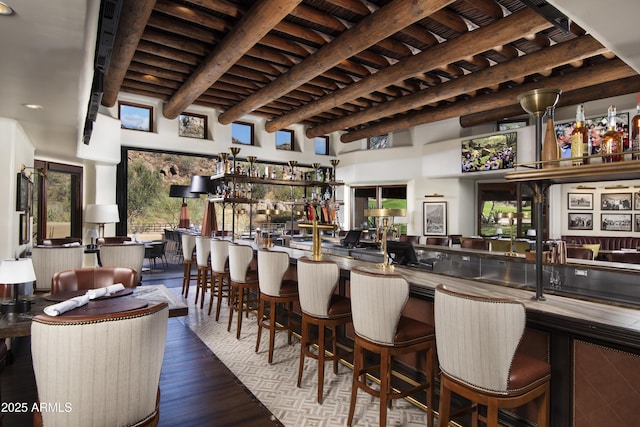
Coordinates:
275	384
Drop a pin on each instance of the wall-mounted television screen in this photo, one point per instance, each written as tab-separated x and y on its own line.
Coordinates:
489	152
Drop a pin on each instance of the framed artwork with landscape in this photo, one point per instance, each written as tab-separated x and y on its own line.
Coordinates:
580	201
489	152
435	218
192	125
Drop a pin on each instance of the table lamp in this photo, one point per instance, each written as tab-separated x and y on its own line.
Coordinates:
385	215
101	215
14	272
92	234
183	191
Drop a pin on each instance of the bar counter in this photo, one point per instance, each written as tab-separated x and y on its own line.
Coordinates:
593	347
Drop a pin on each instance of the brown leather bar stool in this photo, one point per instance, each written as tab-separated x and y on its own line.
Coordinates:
219	273
477	340
243	282
188	248
274	290
322	307
203	278
377	300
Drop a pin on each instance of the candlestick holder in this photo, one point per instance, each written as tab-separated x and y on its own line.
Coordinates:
334	163
251	160
225	161
234	152
293	164
315	167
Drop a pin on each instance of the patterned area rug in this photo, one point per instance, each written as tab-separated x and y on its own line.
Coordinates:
275	385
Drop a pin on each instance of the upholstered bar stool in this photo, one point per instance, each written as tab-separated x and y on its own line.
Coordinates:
203	250
322	307
477	340
243	282
377	300
274	290
219	273
188	247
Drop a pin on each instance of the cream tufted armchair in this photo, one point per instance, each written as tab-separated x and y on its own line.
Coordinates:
48	260
123	255
100	382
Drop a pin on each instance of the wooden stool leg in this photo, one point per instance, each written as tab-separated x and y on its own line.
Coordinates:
445	403
304	337
273	308
334	348
233	299
240	310
321	352
213	286
357	366
260	322
385	386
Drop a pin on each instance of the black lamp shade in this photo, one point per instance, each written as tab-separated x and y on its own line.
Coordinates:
202	184
182	191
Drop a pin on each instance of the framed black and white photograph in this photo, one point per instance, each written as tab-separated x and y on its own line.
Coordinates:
616	222
192	125
24	228
580	221
615	202
135	116
580	201
510	124
636	201
637	229
24	193
435	218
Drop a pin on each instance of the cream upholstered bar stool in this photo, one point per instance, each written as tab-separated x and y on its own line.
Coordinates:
203	266
477	340
322	307
107	367
377	300
275	290
188	248
219	273
244	282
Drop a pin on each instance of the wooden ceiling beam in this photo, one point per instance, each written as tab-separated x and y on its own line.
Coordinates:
441	55
590	76
163	73
386	21
521	67
134	17
256	23
175	42
488	7
578	96
152	60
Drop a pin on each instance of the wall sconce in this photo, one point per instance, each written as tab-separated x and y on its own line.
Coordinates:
433	195
30	170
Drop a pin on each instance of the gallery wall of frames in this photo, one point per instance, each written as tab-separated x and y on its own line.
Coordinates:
618	210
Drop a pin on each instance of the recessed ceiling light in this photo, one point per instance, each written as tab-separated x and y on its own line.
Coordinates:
34	106
5	9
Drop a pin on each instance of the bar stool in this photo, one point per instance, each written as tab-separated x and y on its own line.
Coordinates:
321	306
377	301
274	290
477	340
243	282
188	246
219	273
203	249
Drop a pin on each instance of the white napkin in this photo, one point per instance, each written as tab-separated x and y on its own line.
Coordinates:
107	290
64	306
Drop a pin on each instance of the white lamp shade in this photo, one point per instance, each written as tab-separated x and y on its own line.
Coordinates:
101	214
17	271
531	232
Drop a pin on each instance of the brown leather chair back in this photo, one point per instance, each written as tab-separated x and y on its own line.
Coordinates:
475	244
112	240
93	278
628	257
407	238
61	241
438	241
579	252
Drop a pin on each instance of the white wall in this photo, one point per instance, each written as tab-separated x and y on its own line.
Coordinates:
17	149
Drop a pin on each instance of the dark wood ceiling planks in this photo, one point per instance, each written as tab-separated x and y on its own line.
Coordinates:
361	67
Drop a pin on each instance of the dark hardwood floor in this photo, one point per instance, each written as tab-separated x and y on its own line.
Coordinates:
196	388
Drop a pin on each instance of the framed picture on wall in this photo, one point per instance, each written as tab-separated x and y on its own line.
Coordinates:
435	218
192	125
24	228
616	222
580	221
636	201
580	201
615	202
637	229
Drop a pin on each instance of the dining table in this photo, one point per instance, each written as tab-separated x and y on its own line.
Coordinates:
19	324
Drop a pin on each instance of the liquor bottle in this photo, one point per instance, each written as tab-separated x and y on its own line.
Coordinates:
580	139
550	144
612	139
635	132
